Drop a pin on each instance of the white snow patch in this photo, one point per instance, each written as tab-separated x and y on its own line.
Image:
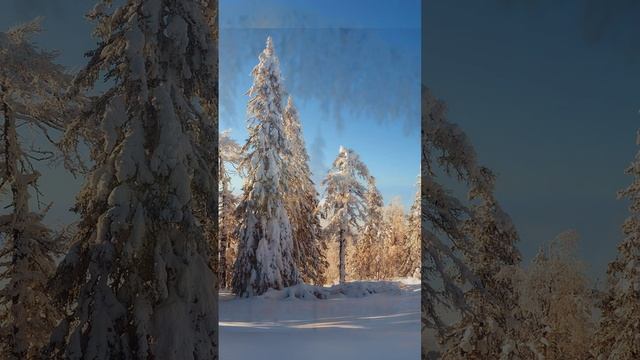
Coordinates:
360	320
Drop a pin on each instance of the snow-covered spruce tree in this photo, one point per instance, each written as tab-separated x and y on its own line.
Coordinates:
366	259
442	272
265	249
344	205
618	336
31	98
555	302
137	282
394	239
301	201
230	155
410	265
482	237
488	331
446	238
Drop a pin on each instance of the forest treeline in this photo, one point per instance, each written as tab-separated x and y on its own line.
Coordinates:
279	231
479	301
137	276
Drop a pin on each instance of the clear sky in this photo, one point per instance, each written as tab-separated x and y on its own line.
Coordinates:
352	68
548	93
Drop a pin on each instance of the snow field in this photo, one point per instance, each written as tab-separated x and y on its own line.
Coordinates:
357	320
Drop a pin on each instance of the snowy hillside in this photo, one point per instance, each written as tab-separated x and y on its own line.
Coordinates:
372	320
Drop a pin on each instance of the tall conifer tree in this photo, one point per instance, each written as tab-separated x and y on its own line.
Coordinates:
32	89
302	202
229	155
617	336
366	259
343	206
265	250
138	281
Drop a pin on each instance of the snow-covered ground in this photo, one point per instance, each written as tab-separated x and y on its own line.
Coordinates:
349	323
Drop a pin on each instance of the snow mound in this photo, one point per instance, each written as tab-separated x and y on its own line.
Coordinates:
299	291
409	280
356	289
359	289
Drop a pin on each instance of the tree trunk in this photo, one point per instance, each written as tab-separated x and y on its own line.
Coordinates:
222	231
343	244
222	264
20	198
19	192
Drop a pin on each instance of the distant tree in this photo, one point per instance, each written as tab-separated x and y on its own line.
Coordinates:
555	302
332	273
617	336
344	205
410	265
229	155
394	248
32	96
265	250
301	203
138	282
366	259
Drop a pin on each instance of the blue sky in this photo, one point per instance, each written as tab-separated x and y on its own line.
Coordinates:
337	87
548	93
67	30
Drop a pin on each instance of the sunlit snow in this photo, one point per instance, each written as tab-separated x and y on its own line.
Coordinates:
345	325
